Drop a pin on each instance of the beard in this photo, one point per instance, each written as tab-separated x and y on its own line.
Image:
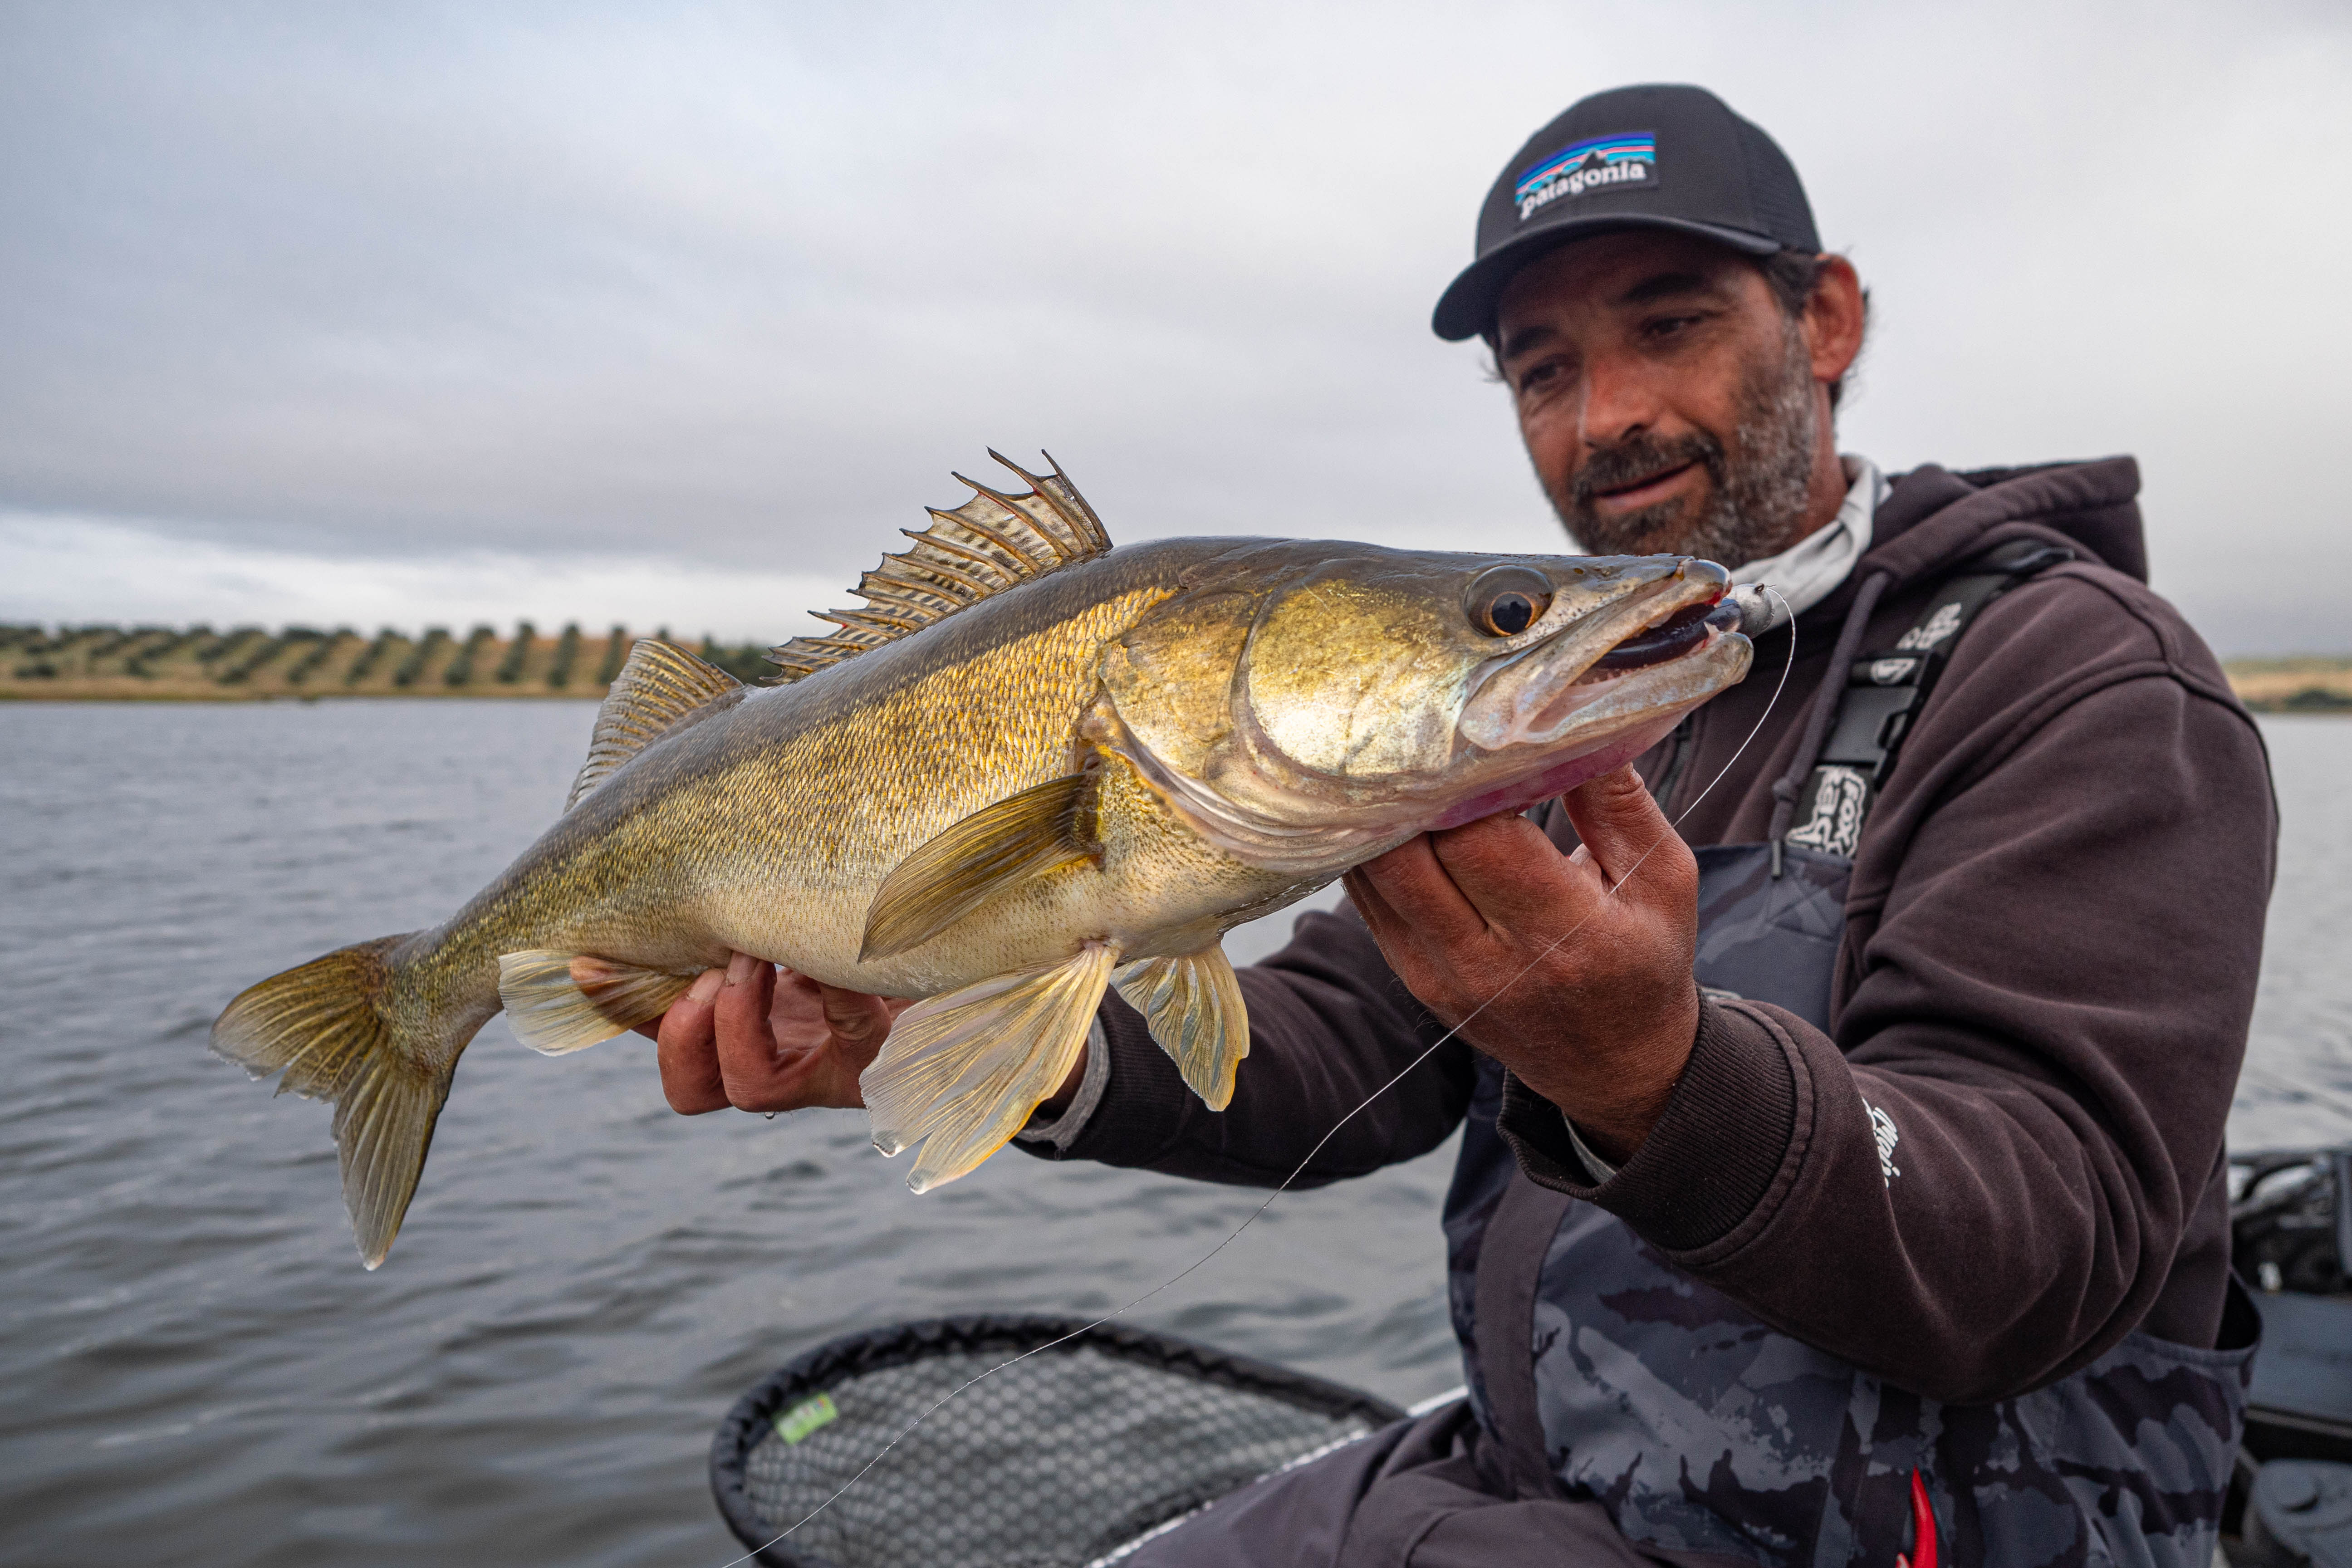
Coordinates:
1758	488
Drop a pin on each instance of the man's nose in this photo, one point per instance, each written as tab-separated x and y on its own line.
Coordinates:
1619	402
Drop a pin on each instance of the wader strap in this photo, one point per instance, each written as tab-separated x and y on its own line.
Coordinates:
1826	700
1884	692
1511	1267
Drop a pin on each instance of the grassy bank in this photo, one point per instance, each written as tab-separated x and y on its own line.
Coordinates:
163	663
160	663
2306	684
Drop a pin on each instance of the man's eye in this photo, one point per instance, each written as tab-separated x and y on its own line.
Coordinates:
1670	326
1536	376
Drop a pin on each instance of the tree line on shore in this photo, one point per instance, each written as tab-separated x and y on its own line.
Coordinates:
90	661
251	661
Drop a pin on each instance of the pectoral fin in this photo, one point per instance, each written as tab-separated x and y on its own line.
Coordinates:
563	1002
990	852
961	1072
1195	1008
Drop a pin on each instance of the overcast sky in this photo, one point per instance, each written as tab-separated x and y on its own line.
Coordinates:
672	313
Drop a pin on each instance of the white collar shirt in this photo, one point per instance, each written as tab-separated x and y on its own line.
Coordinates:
1811	570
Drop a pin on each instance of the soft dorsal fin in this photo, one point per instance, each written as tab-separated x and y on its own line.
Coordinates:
660	685
991	542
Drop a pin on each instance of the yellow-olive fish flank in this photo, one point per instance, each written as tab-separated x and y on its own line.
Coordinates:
1030	769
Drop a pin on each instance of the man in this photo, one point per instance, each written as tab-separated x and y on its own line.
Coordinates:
1847	1190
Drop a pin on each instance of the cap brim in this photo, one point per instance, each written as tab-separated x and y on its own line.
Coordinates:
1467	306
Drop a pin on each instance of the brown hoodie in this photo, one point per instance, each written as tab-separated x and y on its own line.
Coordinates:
2052	939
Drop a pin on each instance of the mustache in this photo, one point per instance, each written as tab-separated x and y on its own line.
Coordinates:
1641	457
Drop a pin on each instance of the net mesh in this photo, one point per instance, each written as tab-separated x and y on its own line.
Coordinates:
1051	1463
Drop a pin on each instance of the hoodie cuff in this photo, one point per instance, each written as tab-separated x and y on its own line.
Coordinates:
1710	1159
1063	1130
1141	1097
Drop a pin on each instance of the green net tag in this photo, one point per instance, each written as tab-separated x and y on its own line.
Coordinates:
794	1425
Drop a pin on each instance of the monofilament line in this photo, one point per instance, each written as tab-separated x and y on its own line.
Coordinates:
2281	1084
1207	1257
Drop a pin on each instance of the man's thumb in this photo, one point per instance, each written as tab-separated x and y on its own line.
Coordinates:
1617	820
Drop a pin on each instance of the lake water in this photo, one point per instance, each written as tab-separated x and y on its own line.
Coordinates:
195	1368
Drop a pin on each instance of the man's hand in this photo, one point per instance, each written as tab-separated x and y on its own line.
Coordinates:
1599	1024
760	1039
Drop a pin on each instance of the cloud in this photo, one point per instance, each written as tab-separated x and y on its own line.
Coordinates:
144	577
729	289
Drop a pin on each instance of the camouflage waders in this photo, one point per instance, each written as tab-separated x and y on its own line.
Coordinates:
1626	1412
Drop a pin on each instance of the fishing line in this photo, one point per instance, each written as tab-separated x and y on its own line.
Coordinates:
2278	1083
1206	1258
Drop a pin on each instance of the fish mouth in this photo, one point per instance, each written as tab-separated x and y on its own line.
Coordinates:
1674	635
1612	668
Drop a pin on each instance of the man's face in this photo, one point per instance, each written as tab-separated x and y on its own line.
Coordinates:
1668	401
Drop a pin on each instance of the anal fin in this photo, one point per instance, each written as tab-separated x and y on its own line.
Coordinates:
1197	1015
961	1072
562	1002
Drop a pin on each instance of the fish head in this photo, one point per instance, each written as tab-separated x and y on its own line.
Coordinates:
1304	705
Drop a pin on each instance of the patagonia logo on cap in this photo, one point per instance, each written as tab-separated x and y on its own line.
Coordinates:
1629	158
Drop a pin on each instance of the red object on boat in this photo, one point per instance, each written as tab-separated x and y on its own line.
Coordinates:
1923	1528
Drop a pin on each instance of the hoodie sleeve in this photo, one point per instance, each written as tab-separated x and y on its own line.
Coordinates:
1988	1176
1329	1025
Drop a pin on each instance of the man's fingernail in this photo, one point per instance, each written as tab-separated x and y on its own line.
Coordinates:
706	986
738	969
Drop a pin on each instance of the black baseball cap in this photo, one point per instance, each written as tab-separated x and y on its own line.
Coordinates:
1661	156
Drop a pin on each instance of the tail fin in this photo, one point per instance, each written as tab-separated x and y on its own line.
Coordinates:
327	1026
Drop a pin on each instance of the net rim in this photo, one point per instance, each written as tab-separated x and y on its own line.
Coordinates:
748	1422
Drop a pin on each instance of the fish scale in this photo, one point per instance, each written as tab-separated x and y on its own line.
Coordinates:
1031	769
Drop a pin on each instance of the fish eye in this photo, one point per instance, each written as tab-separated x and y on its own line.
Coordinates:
1510	613
1505	601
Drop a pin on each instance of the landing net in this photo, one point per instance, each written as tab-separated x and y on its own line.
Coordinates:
1057	1461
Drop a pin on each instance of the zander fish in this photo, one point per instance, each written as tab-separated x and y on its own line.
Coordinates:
1033	767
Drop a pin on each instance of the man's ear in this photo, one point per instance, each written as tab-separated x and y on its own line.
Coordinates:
1834	319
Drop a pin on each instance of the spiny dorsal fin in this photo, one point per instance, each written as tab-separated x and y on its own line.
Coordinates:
660	685
991	542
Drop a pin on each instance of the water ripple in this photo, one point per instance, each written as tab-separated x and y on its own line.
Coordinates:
199	1370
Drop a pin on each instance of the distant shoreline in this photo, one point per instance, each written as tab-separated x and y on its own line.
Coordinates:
197	664
110	692
245	664
2306	683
